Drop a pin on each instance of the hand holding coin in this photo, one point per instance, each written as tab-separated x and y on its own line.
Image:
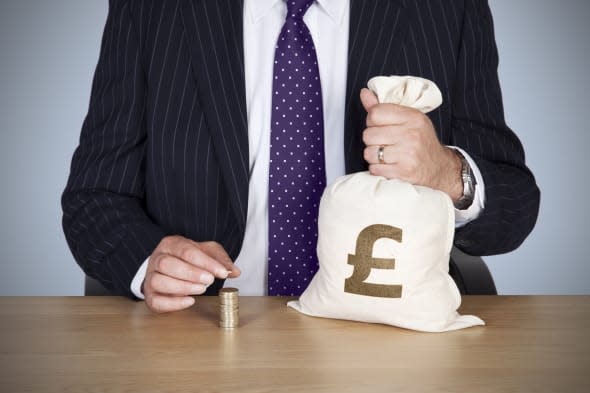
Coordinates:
179	268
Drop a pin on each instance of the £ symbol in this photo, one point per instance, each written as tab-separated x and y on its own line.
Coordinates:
363	262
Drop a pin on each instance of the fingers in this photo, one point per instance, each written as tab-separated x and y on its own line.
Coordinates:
371	154
368	99
180	267
386	170
176	268
217	252
167	285
403	167
384	135
173	267
409	145
399	163
191	252
392	114
162	303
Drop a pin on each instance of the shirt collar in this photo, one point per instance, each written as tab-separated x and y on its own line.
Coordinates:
334	8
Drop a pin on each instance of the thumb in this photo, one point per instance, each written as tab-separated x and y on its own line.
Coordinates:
217	252
368	99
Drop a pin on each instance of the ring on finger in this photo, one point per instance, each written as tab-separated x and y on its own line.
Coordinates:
381	154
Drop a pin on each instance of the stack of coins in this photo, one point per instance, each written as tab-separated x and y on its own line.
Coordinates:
229	316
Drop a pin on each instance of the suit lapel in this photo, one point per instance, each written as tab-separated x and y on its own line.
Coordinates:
215	36
377	30
215	33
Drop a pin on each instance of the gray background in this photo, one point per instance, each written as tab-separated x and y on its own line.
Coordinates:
48	51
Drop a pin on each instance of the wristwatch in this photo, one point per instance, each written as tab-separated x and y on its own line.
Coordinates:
469	183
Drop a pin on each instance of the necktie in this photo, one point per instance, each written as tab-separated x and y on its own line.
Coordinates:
297	174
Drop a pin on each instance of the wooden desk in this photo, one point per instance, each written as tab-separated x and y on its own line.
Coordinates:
110	344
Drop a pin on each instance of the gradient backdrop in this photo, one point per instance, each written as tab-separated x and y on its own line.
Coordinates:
48	51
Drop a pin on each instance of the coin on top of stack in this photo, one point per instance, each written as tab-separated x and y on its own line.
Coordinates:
229	316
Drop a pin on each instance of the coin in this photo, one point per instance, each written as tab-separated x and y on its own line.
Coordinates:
227	290
229	316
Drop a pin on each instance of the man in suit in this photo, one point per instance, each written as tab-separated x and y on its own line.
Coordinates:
174	176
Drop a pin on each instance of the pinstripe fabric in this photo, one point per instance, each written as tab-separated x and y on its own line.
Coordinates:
451	43
164	148
158	148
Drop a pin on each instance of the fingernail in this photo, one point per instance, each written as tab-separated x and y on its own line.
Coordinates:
207	278
197	289
189	301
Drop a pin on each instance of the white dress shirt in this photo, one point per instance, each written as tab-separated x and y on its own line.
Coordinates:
328	22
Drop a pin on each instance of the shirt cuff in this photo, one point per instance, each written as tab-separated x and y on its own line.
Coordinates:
138	279
464	217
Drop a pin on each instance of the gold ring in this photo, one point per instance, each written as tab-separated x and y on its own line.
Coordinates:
381	154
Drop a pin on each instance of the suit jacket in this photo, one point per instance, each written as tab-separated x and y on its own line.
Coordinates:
164	147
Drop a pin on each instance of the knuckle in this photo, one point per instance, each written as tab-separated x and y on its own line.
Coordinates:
151	302
154	282
187	253
211	244
153	260
367	136
373	116
147	285
167	241
161	263
177	240
157	304
164	263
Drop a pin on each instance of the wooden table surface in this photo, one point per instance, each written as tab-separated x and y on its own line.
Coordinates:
110	344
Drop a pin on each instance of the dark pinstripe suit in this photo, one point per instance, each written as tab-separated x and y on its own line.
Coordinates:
164	148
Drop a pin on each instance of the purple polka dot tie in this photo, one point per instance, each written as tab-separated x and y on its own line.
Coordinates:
297	174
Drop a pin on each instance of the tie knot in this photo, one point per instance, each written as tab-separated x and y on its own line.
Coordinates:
298	8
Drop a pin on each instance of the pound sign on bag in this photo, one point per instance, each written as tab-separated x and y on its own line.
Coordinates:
363	262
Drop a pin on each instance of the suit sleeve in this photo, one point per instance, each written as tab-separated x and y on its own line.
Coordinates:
104	217
512	196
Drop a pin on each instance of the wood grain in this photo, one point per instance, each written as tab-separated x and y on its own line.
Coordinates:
110	344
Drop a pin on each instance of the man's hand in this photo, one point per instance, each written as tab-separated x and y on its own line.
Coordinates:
179	268
412	151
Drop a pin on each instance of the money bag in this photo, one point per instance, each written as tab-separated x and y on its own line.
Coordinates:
384	246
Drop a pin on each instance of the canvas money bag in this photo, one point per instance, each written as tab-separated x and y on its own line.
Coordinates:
384	245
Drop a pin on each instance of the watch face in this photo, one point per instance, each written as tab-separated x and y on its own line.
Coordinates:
464	203
468	185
